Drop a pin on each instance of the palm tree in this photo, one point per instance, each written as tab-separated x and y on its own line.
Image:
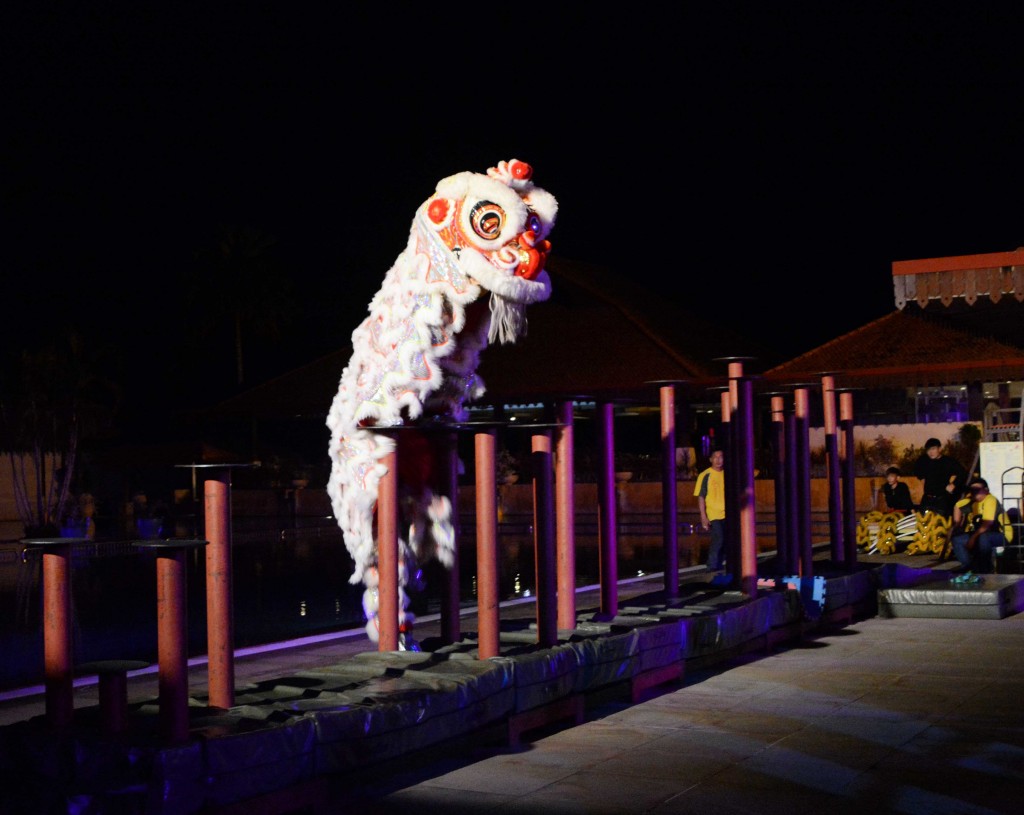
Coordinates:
240	280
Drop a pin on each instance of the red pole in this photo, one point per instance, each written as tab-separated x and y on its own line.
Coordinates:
669	495
172	624
387	554
733	552
219	592
60	704
172	633
486	546
565	527
607	528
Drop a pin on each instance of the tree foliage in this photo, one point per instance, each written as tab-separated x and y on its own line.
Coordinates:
50	398
239	282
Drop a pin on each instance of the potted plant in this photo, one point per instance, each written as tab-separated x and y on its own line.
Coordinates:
149	520
79	520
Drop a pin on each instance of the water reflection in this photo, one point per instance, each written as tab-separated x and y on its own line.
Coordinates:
287	583
282	589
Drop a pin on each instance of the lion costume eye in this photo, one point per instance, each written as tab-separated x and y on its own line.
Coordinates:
487	219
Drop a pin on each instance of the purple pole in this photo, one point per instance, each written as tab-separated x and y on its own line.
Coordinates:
748	516
850	479
781	508
835	511
450	631
544	540
607	526
803	479
793	522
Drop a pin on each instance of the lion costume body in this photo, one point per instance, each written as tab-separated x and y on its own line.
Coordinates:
415	356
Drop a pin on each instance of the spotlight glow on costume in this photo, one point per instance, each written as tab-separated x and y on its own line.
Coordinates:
415	356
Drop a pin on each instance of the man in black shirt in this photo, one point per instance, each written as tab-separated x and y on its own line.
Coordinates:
944	478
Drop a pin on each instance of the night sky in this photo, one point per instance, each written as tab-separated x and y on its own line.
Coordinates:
762	165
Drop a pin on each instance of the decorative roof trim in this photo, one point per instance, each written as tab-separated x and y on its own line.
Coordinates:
957	263
966	276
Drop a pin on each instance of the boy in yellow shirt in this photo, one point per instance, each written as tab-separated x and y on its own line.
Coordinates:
710	492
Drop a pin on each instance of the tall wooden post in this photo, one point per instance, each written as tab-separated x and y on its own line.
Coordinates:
57	652
220	626
731	477
565	517
172	633
387	553
488	635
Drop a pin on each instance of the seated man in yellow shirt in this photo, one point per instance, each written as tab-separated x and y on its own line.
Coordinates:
981	532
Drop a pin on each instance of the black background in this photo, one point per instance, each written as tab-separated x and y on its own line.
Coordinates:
761	163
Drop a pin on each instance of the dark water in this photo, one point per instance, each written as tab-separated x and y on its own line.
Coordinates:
282	589
286	583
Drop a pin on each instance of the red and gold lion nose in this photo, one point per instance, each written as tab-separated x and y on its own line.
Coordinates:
533	254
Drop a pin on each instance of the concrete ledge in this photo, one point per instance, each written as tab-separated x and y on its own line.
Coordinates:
996	597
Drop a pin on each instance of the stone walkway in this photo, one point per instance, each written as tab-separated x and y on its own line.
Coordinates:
884	715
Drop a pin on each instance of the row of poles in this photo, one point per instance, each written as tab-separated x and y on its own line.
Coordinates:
552	447
554	501
792	468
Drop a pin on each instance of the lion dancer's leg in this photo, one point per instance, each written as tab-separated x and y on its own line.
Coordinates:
426	521
427	516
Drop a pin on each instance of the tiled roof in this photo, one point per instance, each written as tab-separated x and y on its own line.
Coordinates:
598	335
919	347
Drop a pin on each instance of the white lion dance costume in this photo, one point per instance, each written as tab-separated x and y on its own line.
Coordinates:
415	356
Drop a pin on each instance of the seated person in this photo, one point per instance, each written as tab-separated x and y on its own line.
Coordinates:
982	531
896	493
